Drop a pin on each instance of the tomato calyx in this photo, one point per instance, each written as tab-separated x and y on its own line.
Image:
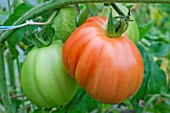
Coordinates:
116	25
40	42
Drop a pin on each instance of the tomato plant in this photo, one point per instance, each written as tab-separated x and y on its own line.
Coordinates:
43	78
109	69
50	89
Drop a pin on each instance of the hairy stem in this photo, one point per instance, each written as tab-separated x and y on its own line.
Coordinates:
3	87
10	62
52	4
117	9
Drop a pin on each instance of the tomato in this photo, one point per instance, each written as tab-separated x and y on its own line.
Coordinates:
43	78
109	69
132	31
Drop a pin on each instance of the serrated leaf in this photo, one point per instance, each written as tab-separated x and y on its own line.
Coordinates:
65	22
94	8
143	30
18	12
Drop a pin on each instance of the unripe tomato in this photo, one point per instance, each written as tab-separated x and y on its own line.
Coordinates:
109	69
43	78
132	31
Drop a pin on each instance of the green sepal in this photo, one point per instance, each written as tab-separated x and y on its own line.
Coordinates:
40	41
115	26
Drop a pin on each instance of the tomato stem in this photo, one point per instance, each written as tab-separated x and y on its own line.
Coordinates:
10	65
117	9
3	86
40	41
115	26
53	4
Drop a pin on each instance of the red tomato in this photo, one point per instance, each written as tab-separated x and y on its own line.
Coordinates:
109	69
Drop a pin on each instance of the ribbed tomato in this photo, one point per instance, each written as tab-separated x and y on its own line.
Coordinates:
109	69
43	78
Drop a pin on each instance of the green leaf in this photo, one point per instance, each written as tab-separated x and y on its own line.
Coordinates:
85	104
159	49
16	103
83	16
154	81
37	110
3	15
65	22
109	108
18	12
81	103
157	82
60	110
94	8
162	107
81	6
13	51
17	36
99	6
143	89
147	66
40	1
40	110
143	30
149	104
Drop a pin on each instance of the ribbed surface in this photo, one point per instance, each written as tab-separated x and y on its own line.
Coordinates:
109	69
43	78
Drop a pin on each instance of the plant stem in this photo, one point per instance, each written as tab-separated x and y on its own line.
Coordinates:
49	21
117	9
9	6
53	4
3	87
10	62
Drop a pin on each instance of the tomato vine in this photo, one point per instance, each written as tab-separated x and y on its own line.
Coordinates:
46	6
53	4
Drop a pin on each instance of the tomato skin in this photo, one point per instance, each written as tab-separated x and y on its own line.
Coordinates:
109	69
43	78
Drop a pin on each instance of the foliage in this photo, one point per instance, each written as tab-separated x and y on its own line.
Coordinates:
154	45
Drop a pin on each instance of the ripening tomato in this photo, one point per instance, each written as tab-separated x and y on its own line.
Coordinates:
43	78
109	69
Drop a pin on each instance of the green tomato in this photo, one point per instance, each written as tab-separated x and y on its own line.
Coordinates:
132	30
43	78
